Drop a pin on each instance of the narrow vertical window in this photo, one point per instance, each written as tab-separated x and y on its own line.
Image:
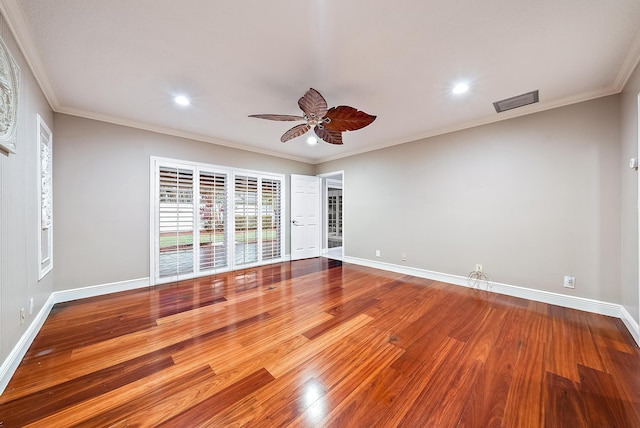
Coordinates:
45	194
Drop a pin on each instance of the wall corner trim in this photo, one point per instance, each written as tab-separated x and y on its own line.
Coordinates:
631	324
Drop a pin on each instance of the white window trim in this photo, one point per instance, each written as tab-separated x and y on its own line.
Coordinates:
154	244
45	196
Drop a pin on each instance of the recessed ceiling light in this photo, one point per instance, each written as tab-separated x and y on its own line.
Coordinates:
460	88
312	140
182	100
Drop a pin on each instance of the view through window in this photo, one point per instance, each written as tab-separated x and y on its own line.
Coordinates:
209	219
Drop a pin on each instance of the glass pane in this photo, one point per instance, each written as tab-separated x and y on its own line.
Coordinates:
334	220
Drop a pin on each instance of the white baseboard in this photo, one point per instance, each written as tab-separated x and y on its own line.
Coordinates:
99	290
631	324
11	363
573	302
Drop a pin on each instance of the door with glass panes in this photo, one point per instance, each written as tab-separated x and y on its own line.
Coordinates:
209	220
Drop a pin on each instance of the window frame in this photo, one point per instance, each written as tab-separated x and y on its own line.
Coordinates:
45	195
230	222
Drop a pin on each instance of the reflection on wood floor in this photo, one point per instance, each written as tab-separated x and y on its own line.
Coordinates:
320	343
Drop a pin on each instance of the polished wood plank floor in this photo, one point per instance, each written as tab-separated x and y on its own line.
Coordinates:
321	343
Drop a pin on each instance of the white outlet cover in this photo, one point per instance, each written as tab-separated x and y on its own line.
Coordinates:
569	281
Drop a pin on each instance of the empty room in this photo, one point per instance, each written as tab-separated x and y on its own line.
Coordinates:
319	213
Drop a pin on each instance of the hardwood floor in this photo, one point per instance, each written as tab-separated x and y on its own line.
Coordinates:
319	343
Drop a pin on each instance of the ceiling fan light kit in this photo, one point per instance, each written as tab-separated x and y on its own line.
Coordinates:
327	123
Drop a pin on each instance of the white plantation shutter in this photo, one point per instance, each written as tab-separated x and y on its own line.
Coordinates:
271	219
207	219
175	222
246	219
213	242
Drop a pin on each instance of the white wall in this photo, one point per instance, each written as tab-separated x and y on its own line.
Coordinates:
531	199
101	187
19	205
629	186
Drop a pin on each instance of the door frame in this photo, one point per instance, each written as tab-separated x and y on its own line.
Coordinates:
636	337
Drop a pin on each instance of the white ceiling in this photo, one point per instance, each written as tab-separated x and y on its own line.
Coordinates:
123	61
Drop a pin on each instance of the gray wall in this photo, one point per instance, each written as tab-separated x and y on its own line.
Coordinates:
629	186
19	205
531	199
101	187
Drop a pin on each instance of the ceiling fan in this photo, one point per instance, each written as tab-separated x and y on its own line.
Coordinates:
327	123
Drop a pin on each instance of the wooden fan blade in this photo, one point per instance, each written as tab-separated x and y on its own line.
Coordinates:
294	132
345	118
328	136
313	104
282	117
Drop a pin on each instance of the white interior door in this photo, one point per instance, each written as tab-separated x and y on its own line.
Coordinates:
305	216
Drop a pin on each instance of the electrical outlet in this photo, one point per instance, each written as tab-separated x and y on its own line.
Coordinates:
22	316
31	306
377	253
478	269
404	257
569	281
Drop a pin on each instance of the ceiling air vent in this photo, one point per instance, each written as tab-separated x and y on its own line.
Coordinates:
517	101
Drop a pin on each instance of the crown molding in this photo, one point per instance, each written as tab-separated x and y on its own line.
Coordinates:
629	64
18	25
175	133
498	117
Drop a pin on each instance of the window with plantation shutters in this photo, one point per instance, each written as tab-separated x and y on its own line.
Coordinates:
246	219
207	219
212	223
175	222
271	219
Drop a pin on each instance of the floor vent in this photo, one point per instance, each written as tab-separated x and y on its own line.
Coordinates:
517	101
